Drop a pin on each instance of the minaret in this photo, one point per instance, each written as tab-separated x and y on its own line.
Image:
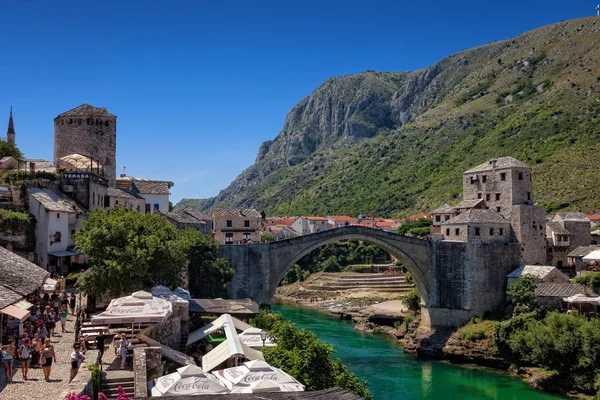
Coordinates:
10	133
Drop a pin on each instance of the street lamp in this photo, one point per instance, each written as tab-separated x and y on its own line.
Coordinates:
263	336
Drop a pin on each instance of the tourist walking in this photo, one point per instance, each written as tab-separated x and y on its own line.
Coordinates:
123	345
72	302
8	355
77	358
36	344
24	351
48	356
100	345
42	331
50	321
64	312
55	303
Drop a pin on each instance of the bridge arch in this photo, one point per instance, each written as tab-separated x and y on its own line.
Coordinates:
415	253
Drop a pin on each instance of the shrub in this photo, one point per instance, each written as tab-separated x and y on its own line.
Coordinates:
522	291
412	300
591	280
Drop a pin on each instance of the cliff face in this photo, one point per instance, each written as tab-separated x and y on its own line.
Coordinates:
388	142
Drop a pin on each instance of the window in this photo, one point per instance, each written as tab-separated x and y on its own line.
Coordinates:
156	207
472	180
487	197
483	178
229	238
147	209
497	209
477	232
501	231
478	195
438	218
138	208
246	236
57	215
457	231
520	176
491	231
229	223
447	232
116	202
528	195
246	223
57	237
503	176
447	217
497	196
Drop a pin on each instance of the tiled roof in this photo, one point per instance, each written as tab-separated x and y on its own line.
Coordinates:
235	212
312	218
476	216
444	209
152	187
500	163
87	110
194	212
19	275
287	221
562	290
341	218
583	251
557	228
55	201
537	270
78	162
468	204
571	216
594	217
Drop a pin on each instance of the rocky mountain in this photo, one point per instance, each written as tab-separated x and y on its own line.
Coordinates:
388	143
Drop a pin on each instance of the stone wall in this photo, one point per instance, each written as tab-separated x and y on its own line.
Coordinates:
147	365
88	135
252	271
529	226
168	333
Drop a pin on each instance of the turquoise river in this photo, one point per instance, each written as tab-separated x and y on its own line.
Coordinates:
393	375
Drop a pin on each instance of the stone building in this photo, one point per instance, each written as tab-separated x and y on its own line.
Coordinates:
565	232
10	133
441	214
89	131
155	193
236	225
306	225
575	258
190	218
476	226
128	199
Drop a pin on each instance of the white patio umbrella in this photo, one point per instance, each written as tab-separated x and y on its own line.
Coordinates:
188	380
252	338
257	376
593	256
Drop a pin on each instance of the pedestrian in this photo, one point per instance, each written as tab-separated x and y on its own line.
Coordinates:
77	358
45	300
8	355
84	343
100	345
55	303
36	343
64	312
123	345
72	302
42	331
48	356
24	352
25	337
50	321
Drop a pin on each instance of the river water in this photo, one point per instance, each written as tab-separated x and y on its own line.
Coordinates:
393	375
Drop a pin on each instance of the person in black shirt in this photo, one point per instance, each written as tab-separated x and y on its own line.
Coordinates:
100	345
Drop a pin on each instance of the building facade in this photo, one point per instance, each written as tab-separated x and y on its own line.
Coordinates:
307	225
236	225
565	232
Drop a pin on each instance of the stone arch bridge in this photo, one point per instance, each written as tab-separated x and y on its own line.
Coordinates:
447	275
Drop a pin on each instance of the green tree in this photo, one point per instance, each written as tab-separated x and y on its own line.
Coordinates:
129	252
522	291
591	280
420	227
412	300
301	354
330	265
208	274
10	150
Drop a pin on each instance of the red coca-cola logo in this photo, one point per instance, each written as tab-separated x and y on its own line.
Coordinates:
187	386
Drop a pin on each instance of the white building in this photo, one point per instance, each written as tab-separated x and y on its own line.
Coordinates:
306	225
58	219
155	193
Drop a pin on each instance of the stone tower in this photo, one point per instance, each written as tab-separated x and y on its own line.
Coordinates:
10	133
89	131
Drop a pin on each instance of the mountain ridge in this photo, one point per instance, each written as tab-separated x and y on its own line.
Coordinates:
389	143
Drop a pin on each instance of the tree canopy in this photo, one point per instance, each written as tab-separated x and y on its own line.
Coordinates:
129	251
522	291
9	149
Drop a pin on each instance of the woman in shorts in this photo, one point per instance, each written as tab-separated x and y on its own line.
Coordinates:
8	355
48	356
24	352
64	312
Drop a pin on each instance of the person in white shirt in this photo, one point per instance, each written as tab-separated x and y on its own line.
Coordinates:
123	345
77	358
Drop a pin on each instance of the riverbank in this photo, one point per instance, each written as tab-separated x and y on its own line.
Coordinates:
377	312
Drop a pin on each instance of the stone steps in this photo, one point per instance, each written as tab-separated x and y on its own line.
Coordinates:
111	380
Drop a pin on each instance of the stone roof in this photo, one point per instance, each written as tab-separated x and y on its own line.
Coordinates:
55	201
19	275
444	209
235	212
194	212
79	162
123	194
468	204
562	290
182	218
152	187
8	297
477	216
583	251
571	216
557	228
536	270
500	163
86	110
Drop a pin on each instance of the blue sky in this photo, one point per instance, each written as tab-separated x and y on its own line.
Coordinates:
198	85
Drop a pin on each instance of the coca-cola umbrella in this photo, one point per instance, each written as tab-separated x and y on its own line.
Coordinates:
189	380
138	307
257	376
252	338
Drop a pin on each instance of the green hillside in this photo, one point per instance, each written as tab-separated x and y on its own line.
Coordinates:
390	143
